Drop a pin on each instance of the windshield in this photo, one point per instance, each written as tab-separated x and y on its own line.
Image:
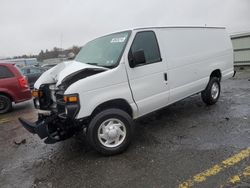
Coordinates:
104	51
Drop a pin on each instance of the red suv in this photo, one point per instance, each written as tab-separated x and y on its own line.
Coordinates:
13	87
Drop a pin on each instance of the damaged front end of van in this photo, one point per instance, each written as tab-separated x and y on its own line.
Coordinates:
57	111
62	94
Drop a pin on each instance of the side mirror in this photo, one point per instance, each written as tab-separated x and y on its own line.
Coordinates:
138	57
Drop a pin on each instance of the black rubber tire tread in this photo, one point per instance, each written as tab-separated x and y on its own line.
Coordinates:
206	94
96	122
8	105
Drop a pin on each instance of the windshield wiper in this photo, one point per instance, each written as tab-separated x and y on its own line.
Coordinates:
109	66
96	64
105	66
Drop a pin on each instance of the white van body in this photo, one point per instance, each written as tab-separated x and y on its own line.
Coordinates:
188	58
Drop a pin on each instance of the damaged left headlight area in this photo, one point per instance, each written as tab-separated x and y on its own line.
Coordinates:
56	115
43	98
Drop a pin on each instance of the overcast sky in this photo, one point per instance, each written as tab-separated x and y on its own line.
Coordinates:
27	26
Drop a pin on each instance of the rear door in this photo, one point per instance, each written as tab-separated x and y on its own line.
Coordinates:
148	81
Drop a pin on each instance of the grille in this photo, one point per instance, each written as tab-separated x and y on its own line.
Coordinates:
60	104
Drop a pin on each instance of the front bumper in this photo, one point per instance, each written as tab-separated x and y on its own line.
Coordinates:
39	128
59	122
52	128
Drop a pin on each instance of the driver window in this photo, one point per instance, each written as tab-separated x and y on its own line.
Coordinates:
146	41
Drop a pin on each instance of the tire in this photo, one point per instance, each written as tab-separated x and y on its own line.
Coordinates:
212	92
110	124
5	104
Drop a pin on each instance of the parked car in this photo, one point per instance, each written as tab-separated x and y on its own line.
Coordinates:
122	76
32	74
49	66
13	87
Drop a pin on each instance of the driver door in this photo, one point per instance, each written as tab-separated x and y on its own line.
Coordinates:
148	81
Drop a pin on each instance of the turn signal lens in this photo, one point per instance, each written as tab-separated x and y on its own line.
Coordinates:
36	93
70	99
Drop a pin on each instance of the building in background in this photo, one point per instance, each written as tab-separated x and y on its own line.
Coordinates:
241	45
22	62
54	60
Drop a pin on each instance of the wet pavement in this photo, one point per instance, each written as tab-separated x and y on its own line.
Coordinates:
170	148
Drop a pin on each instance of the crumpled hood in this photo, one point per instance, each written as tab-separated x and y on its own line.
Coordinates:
62	70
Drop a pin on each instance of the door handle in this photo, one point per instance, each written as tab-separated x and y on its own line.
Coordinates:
165	76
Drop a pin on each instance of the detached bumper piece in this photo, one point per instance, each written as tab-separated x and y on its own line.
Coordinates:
54	128
35	128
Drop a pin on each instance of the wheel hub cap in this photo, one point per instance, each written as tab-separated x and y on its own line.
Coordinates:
111	133
215	90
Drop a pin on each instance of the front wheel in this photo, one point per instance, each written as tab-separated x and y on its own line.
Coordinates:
110	131
212	92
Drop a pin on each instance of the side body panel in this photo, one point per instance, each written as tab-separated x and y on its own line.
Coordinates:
191	55
9	87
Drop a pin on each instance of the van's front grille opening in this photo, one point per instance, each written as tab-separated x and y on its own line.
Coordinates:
60	104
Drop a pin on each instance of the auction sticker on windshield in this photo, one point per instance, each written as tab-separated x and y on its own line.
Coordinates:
121	39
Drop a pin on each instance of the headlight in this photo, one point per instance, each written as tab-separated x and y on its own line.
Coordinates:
72	105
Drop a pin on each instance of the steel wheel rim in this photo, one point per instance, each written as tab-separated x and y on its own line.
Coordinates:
215	90
111	133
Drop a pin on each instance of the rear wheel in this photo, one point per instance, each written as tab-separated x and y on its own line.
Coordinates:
110	131
5	104
212	92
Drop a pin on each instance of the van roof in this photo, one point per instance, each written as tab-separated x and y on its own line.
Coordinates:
180	27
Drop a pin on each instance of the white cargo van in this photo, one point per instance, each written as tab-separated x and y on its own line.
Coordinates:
122	76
